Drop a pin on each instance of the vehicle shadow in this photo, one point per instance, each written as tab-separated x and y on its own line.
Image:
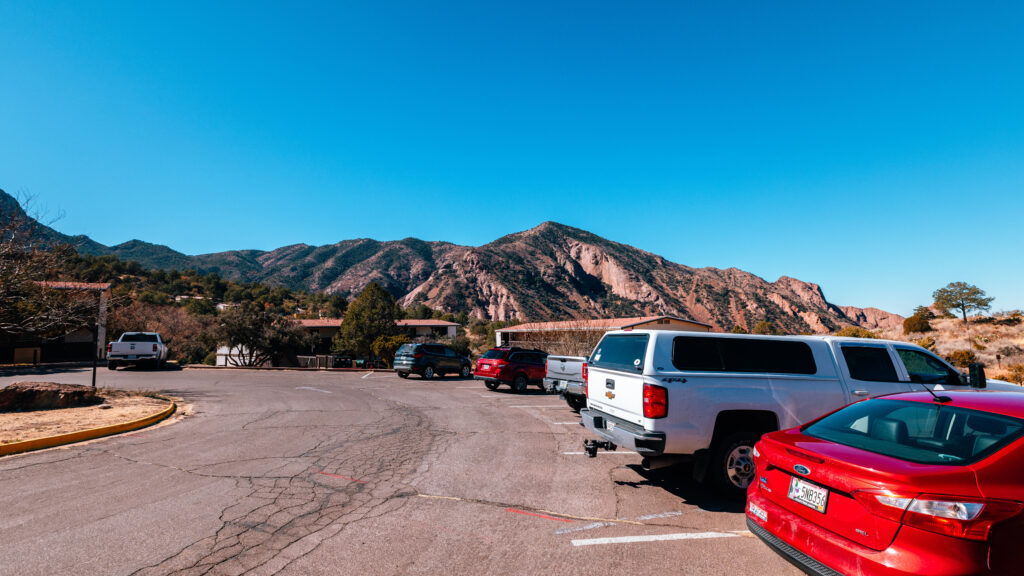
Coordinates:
678	481
166	368
527	392
40	370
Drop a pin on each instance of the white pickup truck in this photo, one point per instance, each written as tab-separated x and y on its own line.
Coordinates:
707	398
564	375
137	348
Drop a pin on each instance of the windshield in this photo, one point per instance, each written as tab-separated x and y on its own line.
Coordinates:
138	338
494	354
406	349
926	433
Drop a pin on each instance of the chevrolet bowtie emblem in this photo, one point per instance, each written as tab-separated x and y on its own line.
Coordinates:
610	394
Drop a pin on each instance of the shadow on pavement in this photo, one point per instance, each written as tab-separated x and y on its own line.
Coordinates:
41	370
678	480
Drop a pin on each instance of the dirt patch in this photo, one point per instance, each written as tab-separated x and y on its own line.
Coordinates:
119	407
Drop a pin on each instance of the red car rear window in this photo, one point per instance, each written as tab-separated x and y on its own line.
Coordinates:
495	354
920	432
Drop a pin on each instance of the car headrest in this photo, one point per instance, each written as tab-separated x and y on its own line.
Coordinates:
986	425
982	443
889	430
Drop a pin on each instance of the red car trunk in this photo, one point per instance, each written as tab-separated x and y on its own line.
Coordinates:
853	479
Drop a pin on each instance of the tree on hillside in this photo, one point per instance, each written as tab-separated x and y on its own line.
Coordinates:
765	327
963	297
28	308
257	336
371	315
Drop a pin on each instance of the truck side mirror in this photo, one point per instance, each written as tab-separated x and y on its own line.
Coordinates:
977	371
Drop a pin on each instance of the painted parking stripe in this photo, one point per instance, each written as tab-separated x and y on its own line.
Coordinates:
546	517
349	478
591	526
653	538
314	389
541	406
566	423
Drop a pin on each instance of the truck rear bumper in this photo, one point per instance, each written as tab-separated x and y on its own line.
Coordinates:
622	433
563	386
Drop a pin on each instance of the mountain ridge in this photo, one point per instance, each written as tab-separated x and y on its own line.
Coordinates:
550	271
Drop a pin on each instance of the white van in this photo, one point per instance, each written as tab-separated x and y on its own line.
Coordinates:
676	396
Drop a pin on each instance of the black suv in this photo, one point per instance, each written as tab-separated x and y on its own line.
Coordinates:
429	360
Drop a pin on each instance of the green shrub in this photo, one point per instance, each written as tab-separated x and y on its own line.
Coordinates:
1016	373
765	327
211	359
916	323
855	332
962	358
738	330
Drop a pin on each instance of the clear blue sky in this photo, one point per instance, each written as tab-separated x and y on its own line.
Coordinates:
874	148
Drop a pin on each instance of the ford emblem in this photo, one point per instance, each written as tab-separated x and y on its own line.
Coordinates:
801	469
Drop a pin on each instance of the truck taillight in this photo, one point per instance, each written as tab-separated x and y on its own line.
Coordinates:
154	347
655	401
110	346
586	389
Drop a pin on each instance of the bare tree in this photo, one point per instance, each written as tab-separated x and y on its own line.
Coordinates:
572	338
28	307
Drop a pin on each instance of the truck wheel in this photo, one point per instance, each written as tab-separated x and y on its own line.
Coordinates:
428	373
466	372
519	384
732	464
492	384
577	403
403	374
112	365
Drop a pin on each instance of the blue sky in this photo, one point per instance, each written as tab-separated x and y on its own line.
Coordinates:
873	148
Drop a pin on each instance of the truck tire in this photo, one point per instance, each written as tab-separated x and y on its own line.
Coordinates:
519	383
731	469
492	384
428	373
112	365
575	402
403	374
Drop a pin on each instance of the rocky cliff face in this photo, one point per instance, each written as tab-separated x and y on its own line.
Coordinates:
548	272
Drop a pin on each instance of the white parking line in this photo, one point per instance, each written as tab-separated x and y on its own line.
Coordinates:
566	423
653	538
583	528
662	515
314	389
367	375
536	406
605	452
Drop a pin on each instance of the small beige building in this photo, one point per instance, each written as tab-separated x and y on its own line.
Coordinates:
578	337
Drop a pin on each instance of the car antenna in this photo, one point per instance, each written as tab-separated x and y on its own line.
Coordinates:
939	399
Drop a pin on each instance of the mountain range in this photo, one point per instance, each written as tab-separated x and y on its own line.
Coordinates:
549	272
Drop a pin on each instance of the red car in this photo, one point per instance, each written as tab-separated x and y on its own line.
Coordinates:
902	484
516	367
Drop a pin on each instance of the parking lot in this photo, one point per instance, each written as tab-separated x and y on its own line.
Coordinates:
357	473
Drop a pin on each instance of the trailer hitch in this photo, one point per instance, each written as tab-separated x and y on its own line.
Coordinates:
592	446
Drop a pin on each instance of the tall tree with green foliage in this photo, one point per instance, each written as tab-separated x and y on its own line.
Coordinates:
371	315
257	336
963	297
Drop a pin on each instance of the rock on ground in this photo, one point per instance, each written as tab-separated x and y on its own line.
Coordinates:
22	396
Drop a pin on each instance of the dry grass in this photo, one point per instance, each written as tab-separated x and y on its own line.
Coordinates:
120	407
985	339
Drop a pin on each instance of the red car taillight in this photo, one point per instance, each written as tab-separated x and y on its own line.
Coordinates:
418	355
957	516
655	401
586	388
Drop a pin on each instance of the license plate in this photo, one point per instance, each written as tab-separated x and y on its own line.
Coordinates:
609	425
808	494
757	512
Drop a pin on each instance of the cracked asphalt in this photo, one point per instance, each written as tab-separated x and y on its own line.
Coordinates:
287	472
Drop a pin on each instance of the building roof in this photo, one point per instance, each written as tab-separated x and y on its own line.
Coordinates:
427	323
320	322
77	285
593	324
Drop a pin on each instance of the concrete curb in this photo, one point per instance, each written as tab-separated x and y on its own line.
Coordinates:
82	435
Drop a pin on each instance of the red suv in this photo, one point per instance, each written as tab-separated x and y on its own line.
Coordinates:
903	484
517	367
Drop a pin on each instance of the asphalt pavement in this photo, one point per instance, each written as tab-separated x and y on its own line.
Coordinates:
289	472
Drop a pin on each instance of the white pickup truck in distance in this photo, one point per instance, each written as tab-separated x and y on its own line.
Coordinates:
139	348
707	398
565	375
